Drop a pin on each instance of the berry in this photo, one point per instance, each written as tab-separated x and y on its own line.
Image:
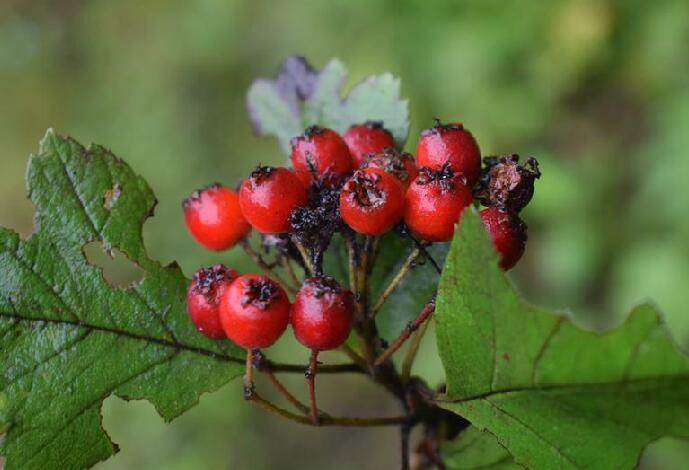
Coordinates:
254	311
450	143
322	314
401	165
434	203
268	196
506	184
213	217
508	234
320	153
371	201
203	298
367	138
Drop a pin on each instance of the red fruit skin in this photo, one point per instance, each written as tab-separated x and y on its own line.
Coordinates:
213	217
400	165
248	320
433	207
367	138
320	152
203	299
268	196
371	202
453	144
322	314
508	234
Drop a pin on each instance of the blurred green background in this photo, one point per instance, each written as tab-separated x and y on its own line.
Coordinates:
597	90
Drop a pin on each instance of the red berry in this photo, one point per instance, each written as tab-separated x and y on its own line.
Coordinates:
254	311
401	165
213	217
371	201
268	196
434	204
320	152
508	234
322	314
203	298
453	144
363	139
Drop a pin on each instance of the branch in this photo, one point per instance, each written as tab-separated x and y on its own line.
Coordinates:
327	420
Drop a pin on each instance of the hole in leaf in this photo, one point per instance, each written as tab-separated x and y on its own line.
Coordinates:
118	270
112	195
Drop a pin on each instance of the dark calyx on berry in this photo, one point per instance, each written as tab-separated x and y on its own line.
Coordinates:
260	292
445	177
441	128
362	188
205	280
324	285
506	184
260	174
398	164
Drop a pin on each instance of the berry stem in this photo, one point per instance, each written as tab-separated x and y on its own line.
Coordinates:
395	282
265	267
249	375
351	260
268	372
311	381
411	327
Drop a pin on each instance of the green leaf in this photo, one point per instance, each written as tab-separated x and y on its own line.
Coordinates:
474	450
554	395
300	97
68	340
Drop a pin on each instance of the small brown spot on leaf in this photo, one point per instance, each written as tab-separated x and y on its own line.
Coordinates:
506	356
112	195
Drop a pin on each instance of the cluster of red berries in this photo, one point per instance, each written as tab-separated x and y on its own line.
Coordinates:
356	183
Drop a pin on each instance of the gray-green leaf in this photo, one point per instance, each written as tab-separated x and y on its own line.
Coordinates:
554	395
68	340
300	97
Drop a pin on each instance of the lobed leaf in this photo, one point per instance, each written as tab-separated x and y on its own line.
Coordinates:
554	395
300	97
68	340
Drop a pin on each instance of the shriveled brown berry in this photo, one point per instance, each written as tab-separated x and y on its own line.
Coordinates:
506	184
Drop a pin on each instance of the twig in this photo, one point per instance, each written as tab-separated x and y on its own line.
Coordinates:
260	262
327	420
284	392
308	262
311	380
390	288
410	356
323	369
411	327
